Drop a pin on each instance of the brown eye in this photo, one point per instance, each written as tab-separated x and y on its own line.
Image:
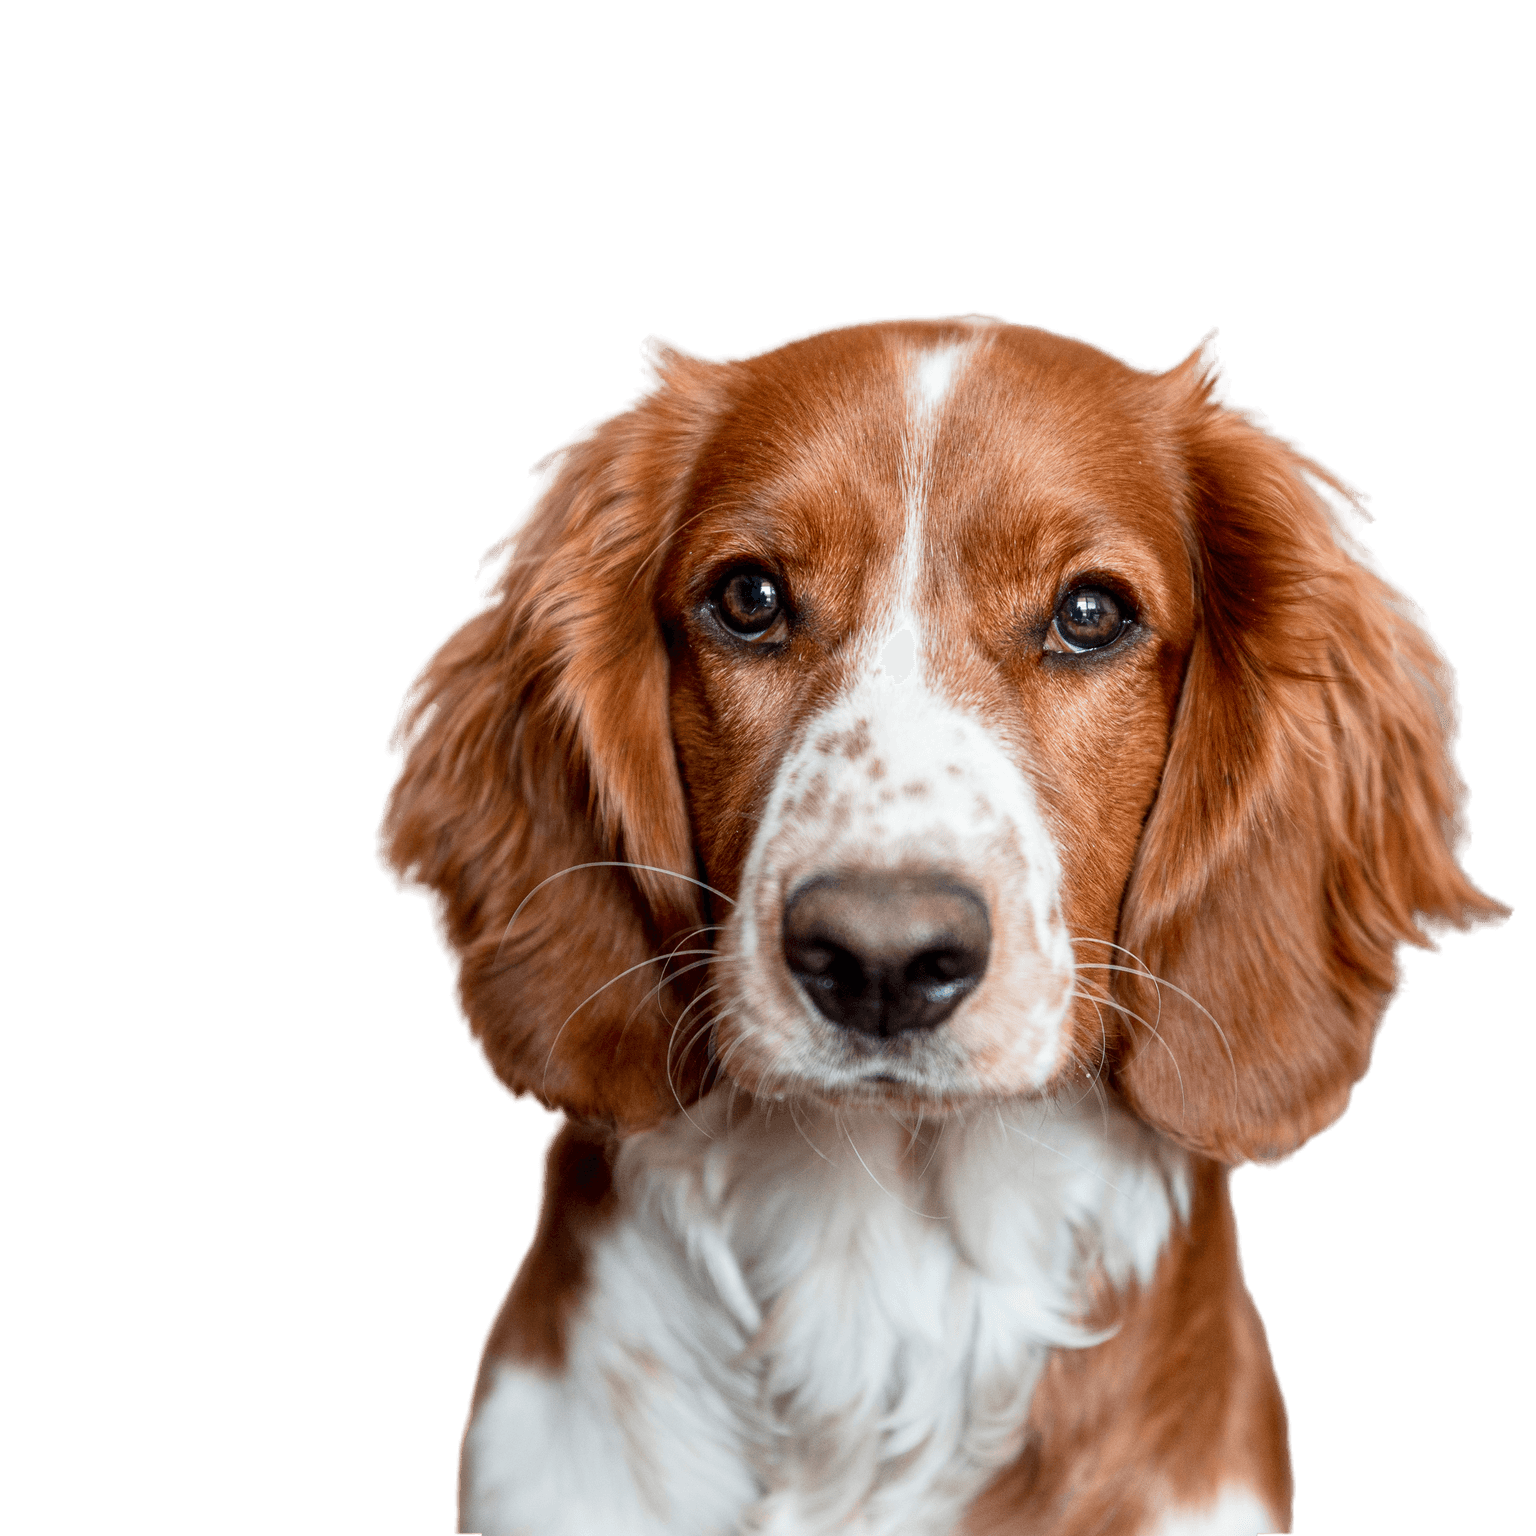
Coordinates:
1089	618
748	603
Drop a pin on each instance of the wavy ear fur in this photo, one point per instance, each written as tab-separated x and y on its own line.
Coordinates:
1306	818
539	741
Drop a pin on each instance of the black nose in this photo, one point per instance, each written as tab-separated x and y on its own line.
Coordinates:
883	953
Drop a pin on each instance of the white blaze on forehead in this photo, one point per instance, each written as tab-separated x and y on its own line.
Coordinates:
931	375
936	371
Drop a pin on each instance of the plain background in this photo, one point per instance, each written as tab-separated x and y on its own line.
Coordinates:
295	296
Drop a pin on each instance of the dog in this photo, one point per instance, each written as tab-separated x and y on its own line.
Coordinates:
924	803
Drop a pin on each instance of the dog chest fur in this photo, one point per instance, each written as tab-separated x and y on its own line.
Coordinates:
813	1322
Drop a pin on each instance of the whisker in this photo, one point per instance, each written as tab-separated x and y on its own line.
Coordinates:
691	1004
794	1120
697	998
692	933
671	1083
612	980
665	959
1103	1098
917	1128
1103	1051
1109	1002
938	1141
848	1134
1064	1156
603	864
1158	982
710	958
759	1095
703	1028
1085	938
677	1054
732	1048
654	993
1110	944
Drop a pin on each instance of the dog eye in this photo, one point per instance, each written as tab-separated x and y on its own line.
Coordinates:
1089	618
748	604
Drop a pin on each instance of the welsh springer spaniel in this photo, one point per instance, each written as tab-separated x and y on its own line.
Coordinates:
925	803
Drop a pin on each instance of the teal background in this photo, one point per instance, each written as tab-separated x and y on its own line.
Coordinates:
294	298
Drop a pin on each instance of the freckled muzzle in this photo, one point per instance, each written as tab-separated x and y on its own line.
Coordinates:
899	910
884	952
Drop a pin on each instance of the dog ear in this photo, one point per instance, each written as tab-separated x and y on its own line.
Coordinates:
540	760
1306	818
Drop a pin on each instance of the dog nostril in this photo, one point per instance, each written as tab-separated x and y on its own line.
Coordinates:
882	953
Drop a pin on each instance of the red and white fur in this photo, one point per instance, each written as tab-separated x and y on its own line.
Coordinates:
978	1276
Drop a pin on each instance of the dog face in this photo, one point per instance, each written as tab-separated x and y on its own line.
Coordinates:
926	644
931	713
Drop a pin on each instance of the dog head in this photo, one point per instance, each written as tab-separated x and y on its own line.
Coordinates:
927	714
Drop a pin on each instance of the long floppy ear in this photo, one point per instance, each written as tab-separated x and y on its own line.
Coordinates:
538	743
1306	818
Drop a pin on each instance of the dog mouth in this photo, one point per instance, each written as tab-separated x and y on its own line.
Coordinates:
923	1072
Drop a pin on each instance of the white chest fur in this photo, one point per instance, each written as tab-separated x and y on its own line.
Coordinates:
806	1320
